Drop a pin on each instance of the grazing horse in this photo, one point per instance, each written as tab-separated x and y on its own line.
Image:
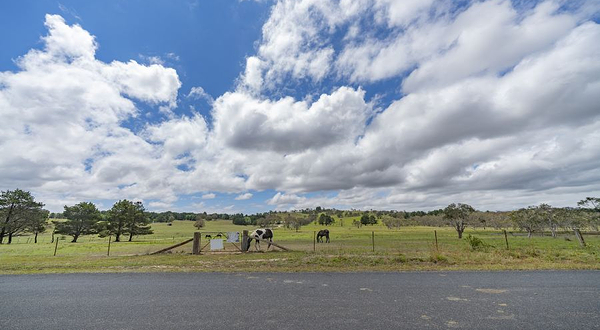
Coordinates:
262	233
321	234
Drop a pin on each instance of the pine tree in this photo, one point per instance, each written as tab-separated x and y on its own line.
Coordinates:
82	219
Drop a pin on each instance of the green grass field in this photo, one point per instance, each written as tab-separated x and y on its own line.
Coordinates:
351	249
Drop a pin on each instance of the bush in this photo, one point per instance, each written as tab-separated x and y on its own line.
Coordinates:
476	243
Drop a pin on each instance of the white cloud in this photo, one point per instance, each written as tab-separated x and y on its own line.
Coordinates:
499	109
61	120
285	199
244	122
243	197
199	93
209	196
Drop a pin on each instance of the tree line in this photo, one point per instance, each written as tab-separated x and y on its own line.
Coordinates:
20	214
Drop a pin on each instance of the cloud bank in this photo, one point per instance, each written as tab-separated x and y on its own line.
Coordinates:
496	105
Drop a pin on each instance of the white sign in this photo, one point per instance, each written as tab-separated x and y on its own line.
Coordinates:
233	237
216	244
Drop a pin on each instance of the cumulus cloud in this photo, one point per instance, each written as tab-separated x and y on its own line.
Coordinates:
245	122
243	197
61	120
499	108
285	199
209	196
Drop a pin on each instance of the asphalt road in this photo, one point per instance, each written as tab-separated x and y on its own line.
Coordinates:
412	300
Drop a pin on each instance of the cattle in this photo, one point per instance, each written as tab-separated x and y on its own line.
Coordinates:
262	233
207	236
321	234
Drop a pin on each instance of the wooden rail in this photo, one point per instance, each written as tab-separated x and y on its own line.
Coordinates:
172	247
269	242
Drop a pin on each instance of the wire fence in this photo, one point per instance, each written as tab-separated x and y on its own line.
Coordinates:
421	241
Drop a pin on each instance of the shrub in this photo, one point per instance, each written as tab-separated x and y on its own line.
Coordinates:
476	243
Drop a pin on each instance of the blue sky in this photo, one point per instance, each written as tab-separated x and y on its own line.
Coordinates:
247	106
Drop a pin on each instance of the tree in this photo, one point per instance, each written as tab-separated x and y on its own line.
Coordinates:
325	219
592	208
137	222
82	219
527	219
458	215
38	223
391	222
239	219
548	216
117	218
199	221
17	207
367	219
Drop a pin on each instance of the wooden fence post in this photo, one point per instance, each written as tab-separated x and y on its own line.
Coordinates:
245	243
506	239
314	241
196	246
373	239
579	237
436	241
108	252
56	247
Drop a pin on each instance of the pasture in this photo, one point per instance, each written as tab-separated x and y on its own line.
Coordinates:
351	249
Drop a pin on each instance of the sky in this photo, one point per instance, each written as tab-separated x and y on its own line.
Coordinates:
249	106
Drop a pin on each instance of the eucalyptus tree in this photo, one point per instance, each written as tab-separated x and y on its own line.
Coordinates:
548	216
592	207
458	215
527	219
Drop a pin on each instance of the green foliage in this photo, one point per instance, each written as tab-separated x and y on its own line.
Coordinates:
137	222
18	209
367	219
325	219
476	243
529	219
591	205
458	215
126	217
82	219
239	219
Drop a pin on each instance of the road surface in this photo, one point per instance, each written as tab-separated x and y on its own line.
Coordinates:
412	300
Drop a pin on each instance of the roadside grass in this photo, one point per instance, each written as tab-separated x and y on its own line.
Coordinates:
351	249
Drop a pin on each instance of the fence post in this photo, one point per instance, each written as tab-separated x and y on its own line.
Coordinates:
436	241
56	246
245	244
506	239
196	246
314	241
108	252
373	239
579	237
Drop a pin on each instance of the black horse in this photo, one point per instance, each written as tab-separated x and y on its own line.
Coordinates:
321	234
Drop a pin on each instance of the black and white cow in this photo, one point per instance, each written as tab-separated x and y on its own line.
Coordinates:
262	233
